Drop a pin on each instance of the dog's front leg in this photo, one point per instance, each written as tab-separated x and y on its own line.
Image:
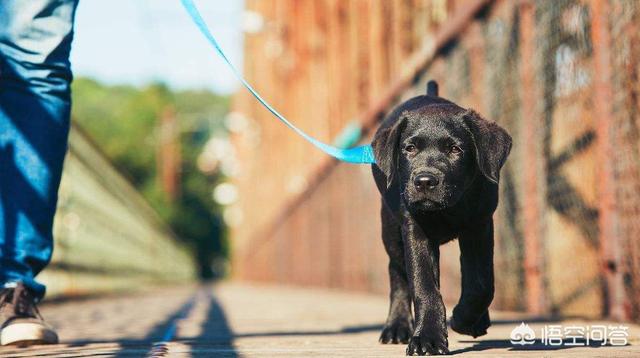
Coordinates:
399	325
423	271
471	314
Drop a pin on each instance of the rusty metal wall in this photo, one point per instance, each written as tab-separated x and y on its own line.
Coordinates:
625	113
561	76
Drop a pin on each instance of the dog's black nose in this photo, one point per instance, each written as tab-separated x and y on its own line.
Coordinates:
425	181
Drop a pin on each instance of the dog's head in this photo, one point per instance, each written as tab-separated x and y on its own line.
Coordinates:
434	150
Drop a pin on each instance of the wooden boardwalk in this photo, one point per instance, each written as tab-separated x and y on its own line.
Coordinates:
237	320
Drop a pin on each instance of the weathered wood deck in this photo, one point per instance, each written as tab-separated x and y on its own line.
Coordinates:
230	320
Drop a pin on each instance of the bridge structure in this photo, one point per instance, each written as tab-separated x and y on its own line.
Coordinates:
251	320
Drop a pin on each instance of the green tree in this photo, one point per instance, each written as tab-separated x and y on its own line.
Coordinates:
124	122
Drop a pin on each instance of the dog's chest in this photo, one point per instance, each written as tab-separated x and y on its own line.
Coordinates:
439	227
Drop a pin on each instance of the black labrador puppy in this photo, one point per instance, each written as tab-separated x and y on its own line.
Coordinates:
437	169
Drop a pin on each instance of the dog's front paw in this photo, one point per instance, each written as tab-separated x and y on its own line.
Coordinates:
434	343
475	329
396	332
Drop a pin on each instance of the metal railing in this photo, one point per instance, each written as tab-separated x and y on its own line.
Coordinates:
106	236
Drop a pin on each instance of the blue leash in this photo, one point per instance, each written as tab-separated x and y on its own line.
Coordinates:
358	155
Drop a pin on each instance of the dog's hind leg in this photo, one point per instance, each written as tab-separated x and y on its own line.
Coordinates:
399	325
471	314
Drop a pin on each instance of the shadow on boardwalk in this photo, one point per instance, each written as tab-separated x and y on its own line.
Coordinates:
235	319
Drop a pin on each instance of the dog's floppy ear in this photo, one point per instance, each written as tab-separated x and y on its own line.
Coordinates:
385	148
492	144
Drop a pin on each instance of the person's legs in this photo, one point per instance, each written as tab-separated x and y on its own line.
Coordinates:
35	78
35	103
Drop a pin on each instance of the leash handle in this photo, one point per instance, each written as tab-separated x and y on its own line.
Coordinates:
357	155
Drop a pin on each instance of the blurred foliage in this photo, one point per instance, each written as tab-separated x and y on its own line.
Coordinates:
124	121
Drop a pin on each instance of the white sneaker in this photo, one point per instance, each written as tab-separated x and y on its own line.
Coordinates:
20	321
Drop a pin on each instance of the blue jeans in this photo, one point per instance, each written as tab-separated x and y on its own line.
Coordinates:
35	104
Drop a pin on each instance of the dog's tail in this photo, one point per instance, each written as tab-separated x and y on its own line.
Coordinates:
432	88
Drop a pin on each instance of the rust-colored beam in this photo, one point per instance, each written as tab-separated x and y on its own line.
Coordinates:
530	139
613	288
369	119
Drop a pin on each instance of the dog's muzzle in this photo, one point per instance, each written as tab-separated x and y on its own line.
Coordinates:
425	181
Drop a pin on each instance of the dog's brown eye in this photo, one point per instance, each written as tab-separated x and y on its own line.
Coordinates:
455	149
410	148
